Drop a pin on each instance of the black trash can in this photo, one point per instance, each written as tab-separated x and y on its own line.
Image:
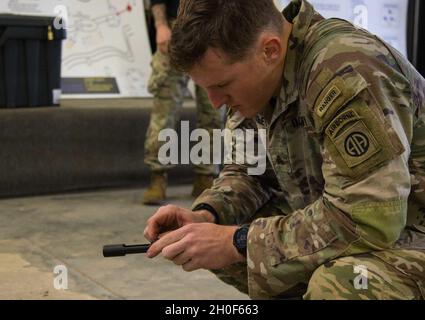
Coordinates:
30	61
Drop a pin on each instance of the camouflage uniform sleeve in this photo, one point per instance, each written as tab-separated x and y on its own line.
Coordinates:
361	110
236	195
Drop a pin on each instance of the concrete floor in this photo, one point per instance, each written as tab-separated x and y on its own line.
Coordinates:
39	233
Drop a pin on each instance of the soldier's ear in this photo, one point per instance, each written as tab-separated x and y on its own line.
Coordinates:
272	49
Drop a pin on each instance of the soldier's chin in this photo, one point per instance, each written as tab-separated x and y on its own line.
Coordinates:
249	114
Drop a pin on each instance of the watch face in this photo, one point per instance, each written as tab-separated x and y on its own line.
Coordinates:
241	237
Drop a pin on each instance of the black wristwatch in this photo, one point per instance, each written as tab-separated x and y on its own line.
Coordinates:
240	239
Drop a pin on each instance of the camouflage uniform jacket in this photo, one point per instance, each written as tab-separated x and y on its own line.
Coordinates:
346	144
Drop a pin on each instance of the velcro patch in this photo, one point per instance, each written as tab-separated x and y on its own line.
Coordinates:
359	138
356	144
335	95
324	105
340	121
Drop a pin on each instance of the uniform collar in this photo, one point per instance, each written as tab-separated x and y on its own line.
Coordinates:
300	13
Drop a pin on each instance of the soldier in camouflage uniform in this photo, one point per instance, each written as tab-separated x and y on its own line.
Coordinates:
167	87
340	210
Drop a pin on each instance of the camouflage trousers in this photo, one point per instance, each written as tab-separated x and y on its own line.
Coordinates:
167	87
390	274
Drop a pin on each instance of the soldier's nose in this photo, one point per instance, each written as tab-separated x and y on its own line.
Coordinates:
217	100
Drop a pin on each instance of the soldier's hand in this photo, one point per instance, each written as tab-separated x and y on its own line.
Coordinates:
163	37
170	217
198	245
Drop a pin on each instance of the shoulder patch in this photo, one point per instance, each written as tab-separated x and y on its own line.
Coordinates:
359	139
337	93
340	121
357	144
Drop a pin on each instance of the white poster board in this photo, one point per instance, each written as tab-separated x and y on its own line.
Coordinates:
105	38
385	18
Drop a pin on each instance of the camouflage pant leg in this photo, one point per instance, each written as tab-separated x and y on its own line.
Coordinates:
391	274
166	85
236	275
207	118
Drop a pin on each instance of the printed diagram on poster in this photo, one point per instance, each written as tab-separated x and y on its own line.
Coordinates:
105	39
385	18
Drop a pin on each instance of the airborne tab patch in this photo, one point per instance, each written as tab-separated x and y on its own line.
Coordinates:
340	121
333	93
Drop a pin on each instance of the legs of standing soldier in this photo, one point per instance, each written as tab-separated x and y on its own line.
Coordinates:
166	85
164	115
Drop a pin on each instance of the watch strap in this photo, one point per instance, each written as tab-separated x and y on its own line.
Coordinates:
206	206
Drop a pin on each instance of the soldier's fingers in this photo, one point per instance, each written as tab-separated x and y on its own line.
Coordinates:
151	231
189	266
163	234
181	259
174	250
159	221
146	234
164	241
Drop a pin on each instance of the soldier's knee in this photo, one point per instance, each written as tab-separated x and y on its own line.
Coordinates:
316	288
332	281
359	278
